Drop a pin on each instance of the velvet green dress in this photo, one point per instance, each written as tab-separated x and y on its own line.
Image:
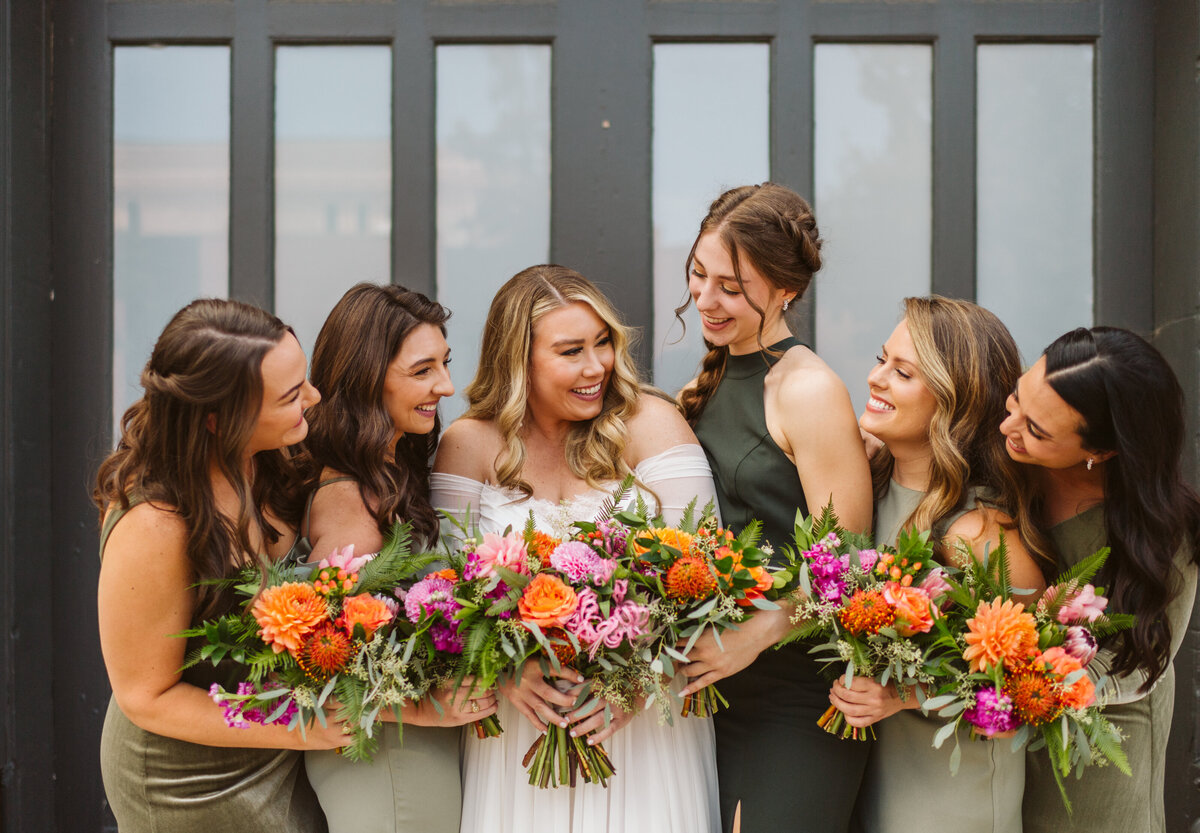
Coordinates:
156	784
908	784
787	772
1105	800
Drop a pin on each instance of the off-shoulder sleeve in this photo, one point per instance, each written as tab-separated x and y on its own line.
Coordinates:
676	476
459	496
1125	688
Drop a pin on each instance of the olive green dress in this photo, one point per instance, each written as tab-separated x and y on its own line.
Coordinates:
787	772
908	783
157	784
409	787
1105	800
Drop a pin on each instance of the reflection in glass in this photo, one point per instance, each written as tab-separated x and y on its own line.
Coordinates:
1034	191
333	178
711	132
873	150
493	184
170	195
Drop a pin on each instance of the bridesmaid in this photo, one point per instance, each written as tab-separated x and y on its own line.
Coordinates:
940	381
196	490
382	359
779	437
1100	419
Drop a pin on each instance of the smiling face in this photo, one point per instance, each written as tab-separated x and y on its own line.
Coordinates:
570	364
901	406
417	379
725	314
287	393
1041	428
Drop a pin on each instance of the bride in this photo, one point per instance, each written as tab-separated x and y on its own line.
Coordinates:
556	418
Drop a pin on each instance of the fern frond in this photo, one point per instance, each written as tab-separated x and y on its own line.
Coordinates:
616	498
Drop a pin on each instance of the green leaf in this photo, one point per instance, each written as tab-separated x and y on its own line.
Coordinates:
943	733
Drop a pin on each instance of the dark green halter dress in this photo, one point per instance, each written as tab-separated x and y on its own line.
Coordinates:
156	783
787	772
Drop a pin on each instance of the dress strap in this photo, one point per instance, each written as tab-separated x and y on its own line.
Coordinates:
308	504
115	514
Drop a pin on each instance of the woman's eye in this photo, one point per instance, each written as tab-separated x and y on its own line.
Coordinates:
573	351
902	374
604	341
730	290
424	371
696	273
879	360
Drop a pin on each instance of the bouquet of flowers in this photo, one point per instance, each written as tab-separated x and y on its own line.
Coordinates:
700	577
304	635
873	610
1007	668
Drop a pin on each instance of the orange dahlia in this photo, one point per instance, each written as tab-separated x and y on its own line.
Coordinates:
1000	632
286	613
689	578
366	610
325	651
449	574
1081	693
866	612
1033	695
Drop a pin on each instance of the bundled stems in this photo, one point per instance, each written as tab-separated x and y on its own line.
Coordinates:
488	727
834	722
703	703
557	759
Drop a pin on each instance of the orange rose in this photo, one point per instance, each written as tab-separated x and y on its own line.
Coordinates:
547	602
914	613
1000	632
763	583
1081	693
366	610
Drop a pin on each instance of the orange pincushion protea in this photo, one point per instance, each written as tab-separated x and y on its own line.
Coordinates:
1000	632
286	614
325	651
1033	695
563	649
542	545
689	578
866	612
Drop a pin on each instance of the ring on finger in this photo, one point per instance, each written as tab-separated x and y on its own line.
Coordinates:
475	705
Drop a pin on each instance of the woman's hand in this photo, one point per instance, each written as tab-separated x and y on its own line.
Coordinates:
709	663
590	720
451	706
865	701
537	699
316	736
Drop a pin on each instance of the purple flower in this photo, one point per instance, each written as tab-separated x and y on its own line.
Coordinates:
580	563
992	713
1080	644
434	596
827	571
614	538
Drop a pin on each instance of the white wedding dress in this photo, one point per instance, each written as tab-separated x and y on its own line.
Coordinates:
666	775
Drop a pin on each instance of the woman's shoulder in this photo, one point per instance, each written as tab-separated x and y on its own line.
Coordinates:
145	526
469	448
655	426
801	373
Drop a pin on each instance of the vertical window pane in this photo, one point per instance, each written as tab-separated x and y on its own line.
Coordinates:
493	184
873	151
711	128
1034	174
333	177
170	195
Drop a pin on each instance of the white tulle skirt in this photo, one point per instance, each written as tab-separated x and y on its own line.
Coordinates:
665	782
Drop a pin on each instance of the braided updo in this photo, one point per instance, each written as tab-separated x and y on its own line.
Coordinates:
771	228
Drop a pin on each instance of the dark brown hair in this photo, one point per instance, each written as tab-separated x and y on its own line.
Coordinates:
206	365
350	430
774	229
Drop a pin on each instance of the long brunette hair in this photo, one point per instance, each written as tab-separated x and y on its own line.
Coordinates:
205	370
350	430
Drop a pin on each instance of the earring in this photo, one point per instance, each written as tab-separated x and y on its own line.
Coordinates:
786	301
1091	462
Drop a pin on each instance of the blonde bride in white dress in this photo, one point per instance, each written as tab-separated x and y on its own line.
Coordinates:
556	419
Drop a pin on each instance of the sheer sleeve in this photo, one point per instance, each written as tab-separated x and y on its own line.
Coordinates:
459	497
1126	687
676	476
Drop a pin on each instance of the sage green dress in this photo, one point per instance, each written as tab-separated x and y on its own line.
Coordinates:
157	784
412	786
908	784
788	773
1105	800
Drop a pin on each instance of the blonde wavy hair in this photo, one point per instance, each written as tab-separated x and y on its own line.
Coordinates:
970	363
500	390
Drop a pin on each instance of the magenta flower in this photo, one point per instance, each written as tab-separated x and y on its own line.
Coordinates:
580	563
627	622
344	559
1084	606
614	538
508	551
1080	644
992	713
434	596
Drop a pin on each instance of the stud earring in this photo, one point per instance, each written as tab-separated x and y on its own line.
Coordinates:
786	301
1091	462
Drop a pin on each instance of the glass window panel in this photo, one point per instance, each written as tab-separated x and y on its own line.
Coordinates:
493	184
333	178
170	195
1034	191
711	132
873	158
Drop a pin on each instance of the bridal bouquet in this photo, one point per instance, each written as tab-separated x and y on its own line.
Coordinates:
302	637
872	609
1024	669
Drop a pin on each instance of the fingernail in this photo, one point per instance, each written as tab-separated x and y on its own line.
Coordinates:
563	724
573	733
591	741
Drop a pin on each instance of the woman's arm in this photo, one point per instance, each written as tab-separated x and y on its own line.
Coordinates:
144	596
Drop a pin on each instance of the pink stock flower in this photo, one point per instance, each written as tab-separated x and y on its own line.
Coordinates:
1083	606
344	559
